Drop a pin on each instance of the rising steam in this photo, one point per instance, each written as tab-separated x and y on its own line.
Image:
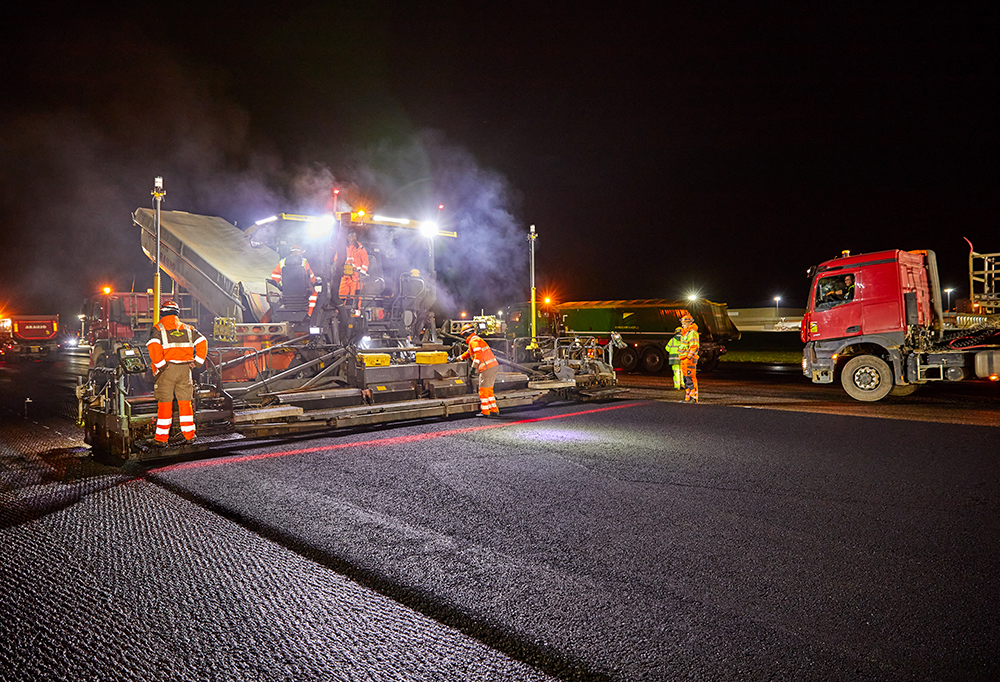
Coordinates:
73	174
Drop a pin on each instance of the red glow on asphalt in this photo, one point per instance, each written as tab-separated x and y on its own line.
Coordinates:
392	440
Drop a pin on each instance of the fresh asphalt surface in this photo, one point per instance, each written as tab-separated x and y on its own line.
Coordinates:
632	540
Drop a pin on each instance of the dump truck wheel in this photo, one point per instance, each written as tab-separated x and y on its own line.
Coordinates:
709	365
653	359
866	378
627	358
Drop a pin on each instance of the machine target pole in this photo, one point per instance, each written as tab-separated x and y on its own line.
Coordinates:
158	194
534	334
433	278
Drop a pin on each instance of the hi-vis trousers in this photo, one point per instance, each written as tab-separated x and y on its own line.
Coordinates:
174	380
488	401
689	369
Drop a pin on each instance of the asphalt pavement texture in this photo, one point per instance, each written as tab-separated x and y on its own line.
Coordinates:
632	540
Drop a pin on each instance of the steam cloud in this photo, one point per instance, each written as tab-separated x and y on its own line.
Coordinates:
73	173
486	266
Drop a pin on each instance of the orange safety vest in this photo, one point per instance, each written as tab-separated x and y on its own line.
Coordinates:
480	352
174	341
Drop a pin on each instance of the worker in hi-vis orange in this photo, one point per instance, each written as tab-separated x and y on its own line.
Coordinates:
690	345
175	349
355	267
486	363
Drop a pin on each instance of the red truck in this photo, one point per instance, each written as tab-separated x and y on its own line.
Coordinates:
875	322
32	337
115	317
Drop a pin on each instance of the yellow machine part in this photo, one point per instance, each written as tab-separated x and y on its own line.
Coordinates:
432	357
373	359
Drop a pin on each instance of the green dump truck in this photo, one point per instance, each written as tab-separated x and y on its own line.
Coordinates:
646	325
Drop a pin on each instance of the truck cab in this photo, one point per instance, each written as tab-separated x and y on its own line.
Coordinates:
874	321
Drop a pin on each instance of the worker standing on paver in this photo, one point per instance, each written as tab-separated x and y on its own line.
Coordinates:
355	268
175	349
486	363
674	358
690	344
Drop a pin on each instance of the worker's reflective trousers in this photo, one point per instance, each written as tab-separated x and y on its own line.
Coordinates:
172	381
689	368
487	400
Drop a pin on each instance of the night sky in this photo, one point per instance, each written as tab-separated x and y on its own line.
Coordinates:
721	150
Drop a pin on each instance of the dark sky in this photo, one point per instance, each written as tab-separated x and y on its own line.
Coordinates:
719	149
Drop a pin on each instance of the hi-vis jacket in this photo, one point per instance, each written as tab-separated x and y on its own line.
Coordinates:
356	261
481	354
690	342
674	349
173	341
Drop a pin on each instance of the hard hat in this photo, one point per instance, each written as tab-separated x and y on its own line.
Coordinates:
686	318
168	307
296	247
467	329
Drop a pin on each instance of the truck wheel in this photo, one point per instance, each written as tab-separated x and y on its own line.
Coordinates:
901	390
652	359
866	378
627	358
708	365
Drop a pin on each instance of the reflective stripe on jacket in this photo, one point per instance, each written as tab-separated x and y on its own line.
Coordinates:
480	352
173	341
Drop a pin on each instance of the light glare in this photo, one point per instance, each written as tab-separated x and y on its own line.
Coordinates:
387	219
